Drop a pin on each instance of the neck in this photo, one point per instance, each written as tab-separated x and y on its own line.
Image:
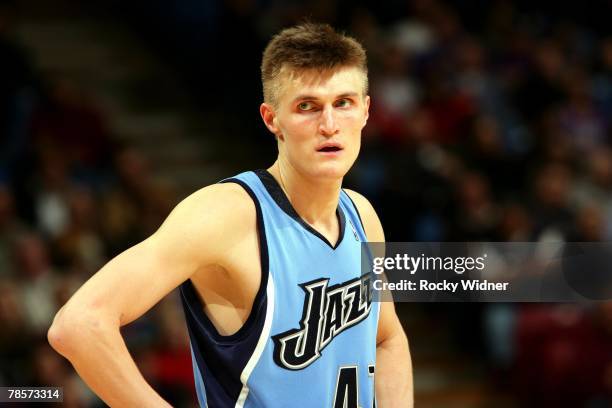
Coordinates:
315	201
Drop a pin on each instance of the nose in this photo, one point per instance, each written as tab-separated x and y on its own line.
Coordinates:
328	126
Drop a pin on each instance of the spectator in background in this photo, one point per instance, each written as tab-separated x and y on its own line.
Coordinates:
69	120
15	336
135	205
38	281
551	210
541	90
396	93
476	214
579	118
49	192
80	243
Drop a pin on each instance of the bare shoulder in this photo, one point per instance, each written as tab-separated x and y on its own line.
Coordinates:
362	203
222	199
212	218
371	222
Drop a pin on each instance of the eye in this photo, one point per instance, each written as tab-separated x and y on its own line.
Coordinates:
343	103
305	106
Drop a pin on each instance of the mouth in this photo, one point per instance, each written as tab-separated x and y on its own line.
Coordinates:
329	148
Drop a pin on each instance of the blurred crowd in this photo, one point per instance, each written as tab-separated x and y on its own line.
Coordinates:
499	133
486	125
71	197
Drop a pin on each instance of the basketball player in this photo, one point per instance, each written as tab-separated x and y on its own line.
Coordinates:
268	262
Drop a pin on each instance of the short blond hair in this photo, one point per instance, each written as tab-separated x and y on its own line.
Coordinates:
309	46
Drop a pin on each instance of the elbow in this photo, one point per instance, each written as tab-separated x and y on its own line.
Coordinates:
60	333
55	338
71	331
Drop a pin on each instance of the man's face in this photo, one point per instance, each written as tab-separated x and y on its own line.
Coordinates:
318	120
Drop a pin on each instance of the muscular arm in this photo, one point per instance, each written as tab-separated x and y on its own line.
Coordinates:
86	330
394	387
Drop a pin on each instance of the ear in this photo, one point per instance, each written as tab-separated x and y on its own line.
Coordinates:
269	118
367	110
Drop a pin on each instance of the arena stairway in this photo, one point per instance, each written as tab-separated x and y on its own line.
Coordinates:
138	94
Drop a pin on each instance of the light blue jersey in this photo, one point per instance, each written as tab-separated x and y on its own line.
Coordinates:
310	340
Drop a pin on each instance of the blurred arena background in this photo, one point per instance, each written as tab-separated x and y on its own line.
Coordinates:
490	121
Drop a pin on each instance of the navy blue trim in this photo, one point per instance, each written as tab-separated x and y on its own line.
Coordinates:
357	211
221	364
193	299
279	196
263	249
221	359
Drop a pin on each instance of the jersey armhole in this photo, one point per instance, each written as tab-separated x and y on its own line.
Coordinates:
257	310
356	210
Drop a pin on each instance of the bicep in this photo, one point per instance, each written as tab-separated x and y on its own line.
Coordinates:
130	284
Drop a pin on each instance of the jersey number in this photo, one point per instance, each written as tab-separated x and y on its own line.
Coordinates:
347	388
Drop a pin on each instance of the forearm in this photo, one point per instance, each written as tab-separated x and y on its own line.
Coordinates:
100	356
394	387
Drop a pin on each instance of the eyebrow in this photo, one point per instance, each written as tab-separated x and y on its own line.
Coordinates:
312	97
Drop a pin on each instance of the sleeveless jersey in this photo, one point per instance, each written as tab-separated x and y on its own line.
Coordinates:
310	339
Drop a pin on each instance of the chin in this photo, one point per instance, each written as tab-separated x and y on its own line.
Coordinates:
330	171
